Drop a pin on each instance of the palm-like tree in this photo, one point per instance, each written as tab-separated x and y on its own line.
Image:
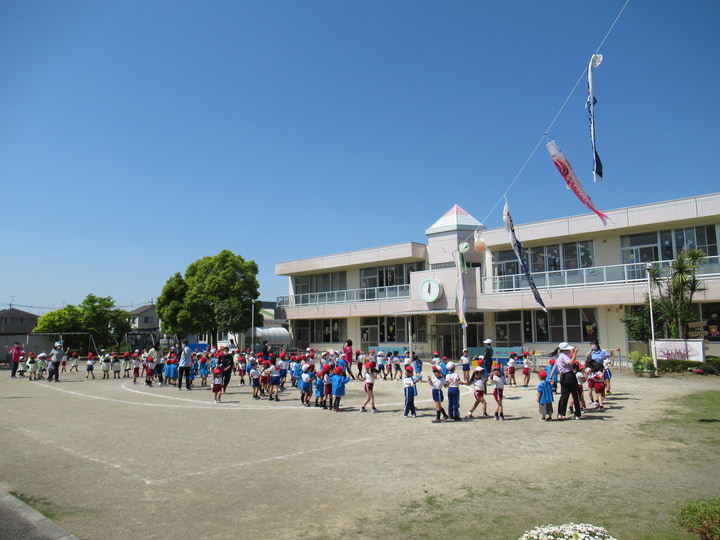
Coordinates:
676	289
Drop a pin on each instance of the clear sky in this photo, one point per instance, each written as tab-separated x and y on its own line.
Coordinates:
138	136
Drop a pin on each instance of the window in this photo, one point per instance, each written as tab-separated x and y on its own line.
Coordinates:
325	330
388	276
574	325
711	314
665	245
147	320
552	258
331	281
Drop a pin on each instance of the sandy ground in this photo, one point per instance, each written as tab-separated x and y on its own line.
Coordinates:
115	460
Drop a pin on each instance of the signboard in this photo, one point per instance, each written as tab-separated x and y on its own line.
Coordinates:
678	349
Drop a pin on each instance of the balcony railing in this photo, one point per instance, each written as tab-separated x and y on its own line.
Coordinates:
594	276
590	277
348	296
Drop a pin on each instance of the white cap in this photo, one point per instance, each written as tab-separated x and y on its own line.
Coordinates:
565	346
58	344
451	365
487	341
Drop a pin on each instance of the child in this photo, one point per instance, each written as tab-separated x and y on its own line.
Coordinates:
370	375
339	380
305	383
204	371
545	397
254	376
31	364
126	364
136	363
498	380
511	369
74	361
116	366
418	366
320	389
597	381
106	365
327	386
526	370
478	382
63	363
90	365
241	369
452	380
410	390
438	383
149	370
217	383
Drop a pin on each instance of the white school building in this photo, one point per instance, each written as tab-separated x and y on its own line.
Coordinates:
589	276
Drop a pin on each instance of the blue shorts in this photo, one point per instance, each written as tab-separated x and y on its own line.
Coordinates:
283	373
437	395
466	367
274	381
255	382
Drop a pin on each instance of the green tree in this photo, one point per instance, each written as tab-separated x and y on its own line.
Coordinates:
676	289
673	309
215	296
174	316
96	315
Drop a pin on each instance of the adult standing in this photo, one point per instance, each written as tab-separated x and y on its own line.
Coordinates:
157	353
568	380
226	365
184	365
16	353
56	354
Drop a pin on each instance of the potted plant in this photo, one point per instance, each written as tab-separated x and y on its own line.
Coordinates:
700	516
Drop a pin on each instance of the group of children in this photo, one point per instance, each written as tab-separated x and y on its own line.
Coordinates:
325	378
595	374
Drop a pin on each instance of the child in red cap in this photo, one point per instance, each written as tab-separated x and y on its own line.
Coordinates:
545	397
339	380
217	384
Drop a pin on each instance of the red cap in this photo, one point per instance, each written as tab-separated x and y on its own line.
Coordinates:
338	370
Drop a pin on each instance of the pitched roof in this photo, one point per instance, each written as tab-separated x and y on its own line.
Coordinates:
13	313
455	219
142	309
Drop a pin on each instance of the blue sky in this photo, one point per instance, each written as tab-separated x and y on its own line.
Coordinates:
139	136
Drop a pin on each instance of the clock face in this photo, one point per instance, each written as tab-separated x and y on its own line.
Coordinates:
430	290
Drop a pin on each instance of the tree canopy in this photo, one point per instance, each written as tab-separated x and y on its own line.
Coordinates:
97	315
673	309
215	296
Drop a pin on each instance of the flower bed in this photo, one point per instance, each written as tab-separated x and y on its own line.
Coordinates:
568	531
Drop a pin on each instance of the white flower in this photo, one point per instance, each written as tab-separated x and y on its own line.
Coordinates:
569	531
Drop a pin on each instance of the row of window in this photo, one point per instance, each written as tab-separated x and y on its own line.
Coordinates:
635	248
378	276
512	328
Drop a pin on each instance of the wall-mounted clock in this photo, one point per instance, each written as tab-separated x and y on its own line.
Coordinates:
430	290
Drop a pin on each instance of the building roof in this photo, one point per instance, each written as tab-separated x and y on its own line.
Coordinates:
455	219
13	313
142	309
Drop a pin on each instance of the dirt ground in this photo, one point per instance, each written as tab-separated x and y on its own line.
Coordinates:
109	460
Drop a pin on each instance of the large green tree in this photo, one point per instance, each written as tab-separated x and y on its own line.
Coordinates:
216	295
97	315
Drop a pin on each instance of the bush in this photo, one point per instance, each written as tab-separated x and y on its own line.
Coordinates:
678	366
700	516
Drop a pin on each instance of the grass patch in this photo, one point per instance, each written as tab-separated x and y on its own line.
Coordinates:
42	505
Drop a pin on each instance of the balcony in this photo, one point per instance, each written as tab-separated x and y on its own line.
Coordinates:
348	296
590	277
